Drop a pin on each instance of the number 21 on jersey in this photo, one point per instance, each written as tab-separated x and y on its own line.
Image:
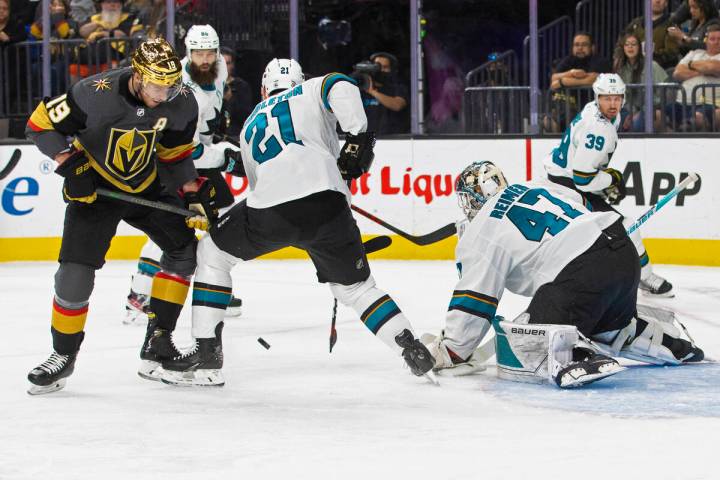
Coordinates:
257	128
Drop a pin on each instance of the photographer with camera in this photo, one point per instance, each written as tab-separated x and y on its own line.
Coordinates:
385	100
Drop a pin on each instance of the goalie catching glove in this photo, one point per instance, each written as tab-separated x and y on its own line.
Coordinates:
616	191
356	156
79	185
203	202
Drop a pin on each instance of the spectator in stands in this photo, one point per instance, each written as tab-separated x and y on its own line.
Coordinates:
11	30
111	22
666	51
151	14
700	67
629	63
82	10
62	27
703	13
24	11
238	100
579	69
682	12
385	98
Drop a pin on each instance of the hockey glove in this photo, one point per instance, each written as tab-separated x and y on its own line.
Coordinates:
356	155
616	191
203	202
79	177
233	163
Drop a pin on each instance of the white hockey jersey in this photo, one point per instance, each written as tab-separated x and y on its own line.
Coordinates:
520	240
585	150
209	99
289	143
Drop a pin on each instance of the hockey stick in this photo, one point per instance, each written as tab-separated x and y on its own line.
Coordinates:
691	178
422	240
372	245
225	138
103	192
14	159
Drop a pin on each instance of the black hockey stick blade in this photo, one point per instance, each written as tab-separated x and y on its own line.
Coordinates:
333	331
422	240
14	159
377	243
103	192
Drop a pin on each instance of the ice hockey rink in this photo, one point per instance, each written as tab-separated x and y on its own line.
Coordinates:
296	411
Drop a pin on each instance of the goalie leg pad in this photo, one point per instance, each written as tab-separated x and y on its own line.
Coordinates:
532	353
656	339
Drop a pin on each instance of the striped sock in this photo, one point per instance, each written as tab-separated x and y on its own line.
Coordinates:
167	298
67	325
209	303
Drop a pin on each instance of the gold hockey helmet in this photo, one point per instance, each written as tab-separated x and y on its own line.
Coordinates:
156	60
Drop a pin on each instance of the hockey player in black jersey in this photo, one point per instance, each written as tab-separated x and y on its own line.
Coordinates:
128	127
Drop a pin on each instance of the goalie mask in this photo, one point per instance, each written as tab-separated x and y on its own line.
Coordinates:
477	183
281	74
159	67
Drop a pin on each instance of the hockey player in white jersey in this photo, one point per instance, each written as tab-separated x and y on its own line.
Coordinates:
204	72
581	162
298	197
579	267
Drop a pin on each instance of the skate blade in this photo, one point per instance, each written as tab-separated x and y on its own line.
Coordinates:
195	378
430	376
648	294
43	389
587	379
149	370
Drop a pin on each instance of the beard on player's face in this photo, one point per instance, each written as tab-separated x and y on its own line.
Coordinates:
203	76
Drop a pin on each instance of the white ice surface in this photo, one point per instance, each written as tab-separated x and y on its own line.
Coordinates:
296	412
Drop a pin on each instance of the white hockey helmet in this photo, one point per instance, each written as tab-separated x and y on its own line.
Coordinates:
478	182
281	74
609	84
201	37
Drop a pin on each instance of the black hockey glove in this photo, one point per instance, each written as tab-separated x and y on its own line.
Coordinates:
203	202
233	163
79	185
616	191
356	155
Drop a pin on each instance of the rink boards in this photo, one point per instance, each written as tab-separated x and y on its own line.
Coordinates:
411	186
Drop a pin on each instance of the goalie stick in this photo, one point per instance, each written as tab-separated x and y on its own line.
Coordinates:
691	178
422	240
14	159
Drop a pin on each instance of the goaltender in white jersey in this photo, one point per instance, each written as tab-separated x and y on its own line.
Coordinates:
579	267
581	162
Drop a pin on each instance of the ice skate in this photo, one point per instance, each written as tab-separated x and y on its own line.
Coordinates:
158	346
136	308
234	308
586	367
656	286
446	362
416	355
51	375
200	367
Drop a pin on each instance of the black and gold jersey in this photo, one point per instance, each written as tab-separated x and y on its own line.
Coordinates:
124	140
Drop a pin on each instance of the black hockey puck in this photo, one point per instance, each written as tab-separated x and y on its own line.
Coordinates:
264	343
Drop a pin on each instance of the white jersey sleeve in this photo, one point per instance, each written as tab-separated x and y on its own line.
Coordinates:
289	142
585	150
519	240
209	99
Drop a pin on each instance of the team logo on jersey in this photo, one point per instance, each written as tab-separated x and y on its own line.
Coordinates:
129	151
101	84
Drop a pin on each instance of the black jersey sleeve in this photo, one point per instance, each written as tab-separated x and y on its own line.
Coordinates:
175	148
55	119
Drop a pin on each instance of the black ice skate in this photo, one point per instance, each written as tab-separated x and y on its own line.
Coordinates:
683	350
656	286
158	346
234	308
416	355
587	367
51	375
199	367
